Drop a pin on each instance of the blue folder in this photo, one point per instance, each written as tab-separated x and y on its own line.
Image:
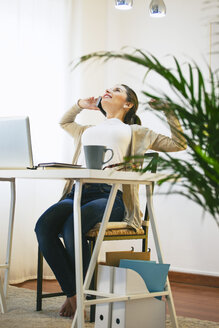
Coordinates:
154	274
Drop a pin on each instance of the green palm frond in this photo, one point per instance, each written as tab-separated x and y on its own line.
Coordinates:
195	101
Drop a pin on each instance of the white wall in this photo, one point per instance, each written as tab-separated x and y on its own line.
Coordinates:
189	239
37	46
33	67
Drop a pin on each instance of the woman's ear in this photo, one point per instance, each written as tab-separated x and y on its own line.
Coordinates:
128	105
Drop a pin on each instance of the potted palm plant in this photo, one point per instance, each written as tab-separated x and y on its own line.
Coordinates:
195	100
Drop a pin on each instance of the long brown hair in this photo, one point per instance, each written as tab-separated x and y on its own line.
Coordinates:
131	117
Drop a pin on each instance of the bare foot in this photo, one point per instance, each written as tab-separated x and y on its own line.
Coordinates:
69	307
73	303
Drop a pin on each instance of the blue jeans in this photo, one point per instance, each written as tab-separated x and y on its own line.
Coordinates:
58	219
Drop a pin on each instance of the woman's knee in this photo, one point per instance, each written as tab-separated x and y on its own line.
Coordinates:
53	218
45	223
41	228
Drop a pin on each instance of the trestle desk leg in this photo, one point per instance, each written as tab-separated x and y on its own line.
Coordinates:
10	233
79	315
78	254
2	299
6	266
159	253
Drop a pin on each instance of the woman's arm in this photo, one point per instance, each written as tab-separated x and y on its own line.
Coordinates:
177	141
68	120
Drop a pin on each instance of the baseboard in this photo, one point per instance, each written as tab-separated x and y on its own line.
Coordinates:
194	279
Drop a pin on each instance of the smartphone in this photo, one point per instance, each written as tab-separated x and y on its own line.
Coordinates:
98	104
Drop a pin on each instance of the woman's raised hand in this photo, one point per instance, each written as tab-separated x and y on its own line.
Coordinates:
88	103
158	104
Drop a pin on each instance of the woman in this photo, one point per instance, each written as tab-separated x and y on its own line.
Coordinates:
120	131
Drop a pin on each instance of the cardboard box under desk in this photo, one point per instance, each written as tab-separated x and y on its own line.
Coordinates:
113	258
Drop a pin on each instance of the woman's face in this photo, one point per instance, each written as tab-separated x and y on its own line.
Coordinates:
114	99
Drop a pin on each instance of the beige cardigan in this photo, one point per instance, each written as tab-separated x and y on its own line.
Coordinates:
142	140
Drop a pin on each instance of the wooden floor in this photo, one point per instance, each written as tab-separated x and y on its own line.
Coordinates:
192	301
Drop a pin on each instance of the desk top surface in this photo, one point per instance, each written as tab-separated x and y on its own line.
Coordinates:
82	174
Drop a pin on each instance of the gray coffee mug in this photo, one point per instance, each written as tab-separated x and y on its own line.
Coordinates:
94	156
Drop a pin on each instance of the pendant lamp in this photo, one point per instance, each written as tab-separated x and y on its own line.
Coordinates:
123	4
157	8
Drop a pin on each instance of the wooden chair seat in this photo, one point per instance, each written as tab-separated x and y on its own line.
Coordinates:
115	229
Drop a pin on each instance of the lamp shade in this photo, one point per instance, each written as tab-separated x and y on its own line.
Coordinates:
123	4
157	8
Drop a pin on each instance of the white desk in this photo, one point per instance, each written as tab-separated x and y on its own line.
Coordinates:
91	176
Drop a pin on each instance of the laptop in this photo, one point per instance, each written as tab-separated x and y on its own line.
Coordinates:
15	143
16	148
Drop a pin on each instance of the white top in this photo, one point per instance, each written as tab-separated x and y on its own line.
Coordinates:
112	133
142	139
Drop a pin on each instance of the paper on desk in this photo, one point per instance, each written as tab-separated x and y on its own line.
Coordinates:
58	165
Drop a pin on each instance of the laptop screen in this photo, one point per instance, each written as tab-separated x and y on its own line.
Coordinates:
15	143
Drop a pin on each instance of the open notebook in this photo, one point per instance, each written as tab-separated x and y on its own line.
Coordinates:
16	148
